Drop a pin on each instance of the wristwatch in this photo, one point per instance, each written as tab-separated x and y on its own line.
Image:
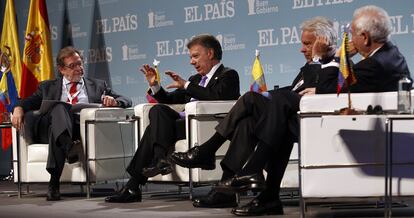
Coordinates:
316	59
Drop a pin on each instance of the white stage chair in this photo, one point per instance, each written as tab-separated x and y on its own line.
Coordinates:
201	118
110	147
343	156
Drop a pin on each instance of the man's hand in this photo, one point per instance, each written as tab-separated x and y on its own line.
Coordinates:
178	81
352	50
308	91
321	47
109	101
150	74
18	118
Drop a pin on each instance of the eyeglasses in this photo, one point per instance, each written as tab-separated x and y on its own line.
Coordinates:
74	65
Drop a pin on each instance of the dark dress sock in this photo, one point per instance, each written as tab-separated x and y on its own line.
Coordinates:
133	183
54	181
257	160
227	173
212	144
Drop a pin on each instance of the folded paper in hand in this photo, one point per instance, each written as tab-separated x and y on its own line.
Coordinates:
48	104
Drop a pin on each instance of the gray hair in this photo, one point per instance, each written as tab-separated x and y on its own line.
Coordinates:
373	20
321	26
64	53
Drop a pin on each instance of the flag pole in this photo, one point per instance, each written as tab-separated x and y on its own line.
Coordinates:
348	110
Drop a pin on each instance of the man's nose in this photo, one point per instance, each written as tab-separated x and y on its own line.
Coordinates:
303	49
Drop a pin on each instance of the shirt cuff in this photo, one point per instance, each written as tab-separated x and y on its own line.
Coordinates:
267	95
155	89
186	84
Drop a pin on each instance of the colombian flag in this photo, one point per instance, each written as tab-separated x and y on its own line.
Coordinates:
151	99
346	76
259	83
37	55
10	68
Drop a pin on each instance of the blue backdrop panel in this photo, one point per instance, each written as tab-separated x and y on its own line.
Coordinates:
118	36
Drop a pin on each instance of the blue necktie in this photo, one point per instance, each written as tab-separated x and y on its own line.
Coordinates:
203	81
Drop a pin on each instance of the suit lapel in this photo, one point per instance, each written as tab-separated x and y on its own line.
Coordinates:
298	77
90	89
56	89
215	76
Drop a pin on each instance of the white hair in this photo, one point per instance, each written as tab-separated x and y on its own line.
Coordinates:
321	26
373	20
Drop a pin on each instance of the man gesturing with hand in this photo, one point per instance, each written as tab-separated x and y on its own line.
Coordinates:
213	81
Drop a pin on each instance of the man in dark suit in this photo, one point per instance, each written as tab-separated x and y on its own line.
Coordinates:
213	81
59	126
379	71
239	125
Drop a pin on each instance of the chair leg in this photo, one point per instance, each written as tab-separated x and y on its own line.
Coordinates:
82	189
180	189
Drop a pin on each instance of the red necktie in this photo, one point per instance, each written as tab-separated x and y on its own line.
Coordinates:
72	91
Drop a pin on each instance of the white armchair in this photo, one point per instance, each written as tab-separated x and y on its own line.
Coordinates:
201	118
349	151
110	148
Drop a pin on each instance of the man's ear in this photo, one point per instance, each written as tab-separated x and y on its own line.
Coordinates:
210	53
367	38
60	69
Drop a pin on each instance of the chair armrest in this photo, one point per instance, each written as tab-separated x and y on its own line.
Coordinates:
360	101
102	114
208	107
141	112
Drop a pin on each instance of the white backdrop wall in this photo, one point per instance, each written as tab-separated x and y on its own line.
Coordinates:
118	36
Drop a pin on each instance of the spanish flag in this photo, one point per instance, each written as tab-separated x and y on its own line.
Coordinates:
37	55
10	69
346	76
259	83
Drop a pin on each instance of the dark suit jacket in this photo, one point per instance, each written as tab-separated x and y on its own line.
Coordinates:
224	85
52	90
378	73
315	76
381	71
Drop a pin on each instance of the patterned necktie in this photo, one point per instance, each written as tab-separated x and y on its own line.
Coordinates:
72	91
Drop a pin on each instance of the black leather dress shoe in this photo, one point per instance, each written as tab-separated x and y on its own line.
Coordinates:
125	196
225	186
162	167
53	194
193	158
253	182
215	199
257	207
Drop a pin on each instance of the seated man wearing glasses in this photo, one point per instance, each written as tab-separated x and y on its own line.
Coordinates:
58	126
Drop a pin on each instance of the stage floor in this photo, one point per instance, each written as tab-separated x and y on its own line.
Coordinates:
169	204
